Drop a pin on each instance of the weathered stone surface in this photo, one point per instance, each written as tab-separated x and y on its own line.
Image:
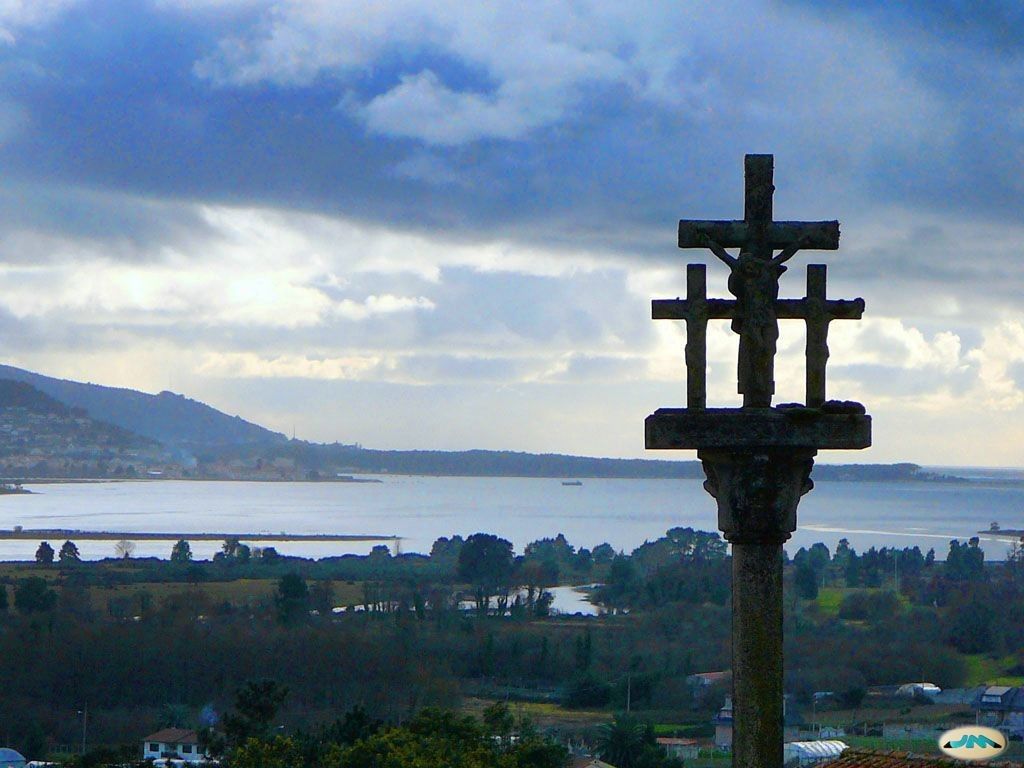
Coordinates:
749	429
815	310
757	691
757	495
757	459
819	235
757	491
754	280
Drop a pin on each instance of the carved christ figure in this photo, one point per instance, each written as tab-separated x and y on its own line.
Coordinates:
754	281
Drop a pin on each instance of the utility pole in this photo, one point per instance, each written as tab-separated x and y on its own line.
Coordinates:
84	712
629	692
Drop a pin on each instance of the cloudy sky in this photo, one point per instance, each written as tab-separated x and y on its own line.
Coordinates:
440	224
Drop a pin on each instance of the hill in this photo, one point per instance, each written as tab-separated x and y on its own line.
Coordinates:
41	437
170	419
212	444
18	394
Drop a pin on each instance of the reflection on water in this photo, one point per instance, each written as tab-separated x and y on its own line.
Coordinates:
573	600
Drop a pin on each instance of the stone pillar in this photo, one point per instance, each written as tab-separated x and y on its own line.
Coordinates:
757	494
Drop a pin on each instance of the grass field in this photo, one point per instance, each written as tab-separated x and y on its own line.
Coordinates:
982	670
829	599
240	592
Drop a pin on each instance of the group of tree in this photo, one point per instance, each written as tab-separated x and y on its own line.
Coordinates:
683	566
68	553
411	647
247	738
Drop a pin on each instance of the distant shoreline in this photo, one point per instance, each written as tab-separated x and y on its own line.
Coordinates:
690	470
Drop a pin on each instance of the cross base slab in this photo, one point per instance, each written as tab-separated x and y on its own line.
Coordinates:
751	429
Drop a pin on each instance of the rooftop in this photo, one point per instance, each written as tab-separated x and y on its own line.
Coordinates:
869	758
174	736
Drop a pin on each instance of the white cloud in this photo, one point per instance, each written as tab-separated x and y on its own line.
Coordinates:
890	342
1001	348
29	13
381	305
248	365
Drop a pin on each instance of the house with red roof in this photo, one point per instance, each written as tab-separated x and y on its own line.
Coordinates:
175	743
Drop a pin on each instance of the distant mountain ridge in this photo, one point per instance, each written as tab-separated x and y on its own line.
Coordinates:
222	446
170	419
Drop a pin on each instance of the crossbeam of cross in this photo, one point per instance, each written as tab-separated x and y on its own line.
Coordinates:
757	233
814	309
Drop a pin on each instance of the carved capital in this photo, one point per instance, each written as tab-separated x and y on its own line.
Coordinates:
757	491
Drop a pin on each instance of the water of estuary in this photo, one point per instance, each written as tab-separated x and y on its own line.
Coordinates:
623	513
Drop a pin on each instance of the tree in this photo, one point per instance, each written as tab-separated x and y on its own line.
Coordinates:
69	553
819	556
269	555
32	595
256	704
230	547
806	581
292	598
1015	562
486	562
853	570
972	621
603	554
279	752
44	554
321	597
434	738
499	722
124	549
445	551
243	553
621	575
622	741
181	552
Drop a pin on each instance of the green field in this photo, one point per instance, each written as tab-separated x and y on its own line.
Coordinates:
983	669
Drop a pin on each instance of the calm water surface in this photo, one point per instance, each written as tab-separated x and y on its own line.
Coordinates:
623	513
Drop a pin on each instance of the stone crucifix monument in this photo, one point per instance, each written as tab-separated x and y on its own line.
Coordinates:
757	458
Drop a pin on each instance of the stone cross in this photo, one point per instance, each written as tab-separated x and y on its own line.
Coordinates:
754	274
757	459
696	309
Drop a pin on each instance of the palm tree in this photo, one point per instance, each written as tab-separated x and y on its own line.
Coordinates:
621	741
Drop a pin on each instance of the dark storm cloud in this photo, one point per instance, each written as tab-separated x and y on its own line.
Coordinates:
91	223
116	100
969	57
994	25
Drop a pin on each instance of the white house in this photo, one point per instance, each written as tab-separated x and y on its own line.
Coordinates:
175	743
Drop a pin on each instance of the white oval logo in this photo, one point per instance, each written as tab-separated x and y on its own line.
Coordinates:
973	742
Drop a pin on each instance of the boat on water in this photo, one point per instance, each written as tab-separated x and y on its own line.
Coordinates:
8	488
572	482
